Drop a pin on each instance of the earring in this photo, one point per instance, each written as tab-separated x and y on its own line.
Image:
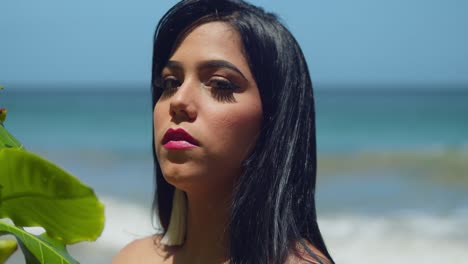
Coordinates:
175	234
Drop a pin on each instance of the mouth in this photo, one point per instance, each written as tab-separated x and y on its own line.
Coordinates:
178	139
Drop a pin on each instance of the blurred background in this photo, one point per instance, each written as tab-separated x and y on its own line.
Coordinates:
391	94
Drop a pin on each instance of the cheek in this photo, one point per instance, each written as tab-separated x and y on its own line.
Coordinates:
158	117
158	121
156	114
238	130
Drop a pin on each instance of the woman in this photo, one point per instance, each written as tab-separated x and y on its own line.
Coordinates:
234	141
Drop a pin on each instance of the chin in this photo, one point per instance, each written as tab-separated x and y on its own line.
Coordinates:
197	180
182	176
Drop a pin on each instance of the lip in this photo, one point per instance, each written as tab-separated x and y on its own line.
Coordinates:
178	139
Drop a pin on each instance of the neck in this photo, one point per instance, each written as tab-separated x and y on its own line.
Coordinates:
206	237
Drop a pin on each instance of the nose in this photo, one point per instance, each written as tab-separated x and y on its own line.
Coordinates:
183	103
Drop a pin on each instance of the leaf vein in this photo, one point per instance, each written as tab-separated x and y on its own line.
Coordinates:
42	253
23	232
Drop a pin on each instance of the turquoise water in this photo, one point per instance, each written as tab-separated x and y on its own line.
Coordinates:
388	121
392	170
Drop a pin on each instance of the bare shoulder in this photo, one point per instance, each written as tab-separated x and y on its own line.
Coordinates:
301	256
142	251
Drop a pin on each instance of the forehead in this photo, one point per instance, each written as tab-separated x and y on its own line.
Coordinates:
212	40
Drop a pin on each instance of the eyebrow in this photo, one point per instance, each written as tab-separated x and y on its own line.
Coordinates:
210	64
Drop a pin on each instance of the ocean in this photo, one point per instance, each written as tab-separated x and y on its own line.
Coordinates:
392	183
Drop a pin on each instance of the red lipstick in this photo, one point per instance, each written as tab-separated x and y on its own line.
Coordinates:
178	139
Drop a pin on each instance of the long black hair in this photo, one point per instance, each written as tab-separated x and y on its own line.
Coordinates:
273	206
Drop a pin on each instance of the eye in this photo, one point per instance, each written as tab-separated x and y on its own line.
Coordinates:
222	84
222	89
170	83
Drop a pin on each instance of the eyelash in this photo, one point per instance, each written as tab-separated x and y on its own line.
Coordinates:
170	80
222	89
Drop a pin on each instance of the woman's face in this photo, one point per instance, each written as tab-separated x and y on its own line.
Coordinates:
209	115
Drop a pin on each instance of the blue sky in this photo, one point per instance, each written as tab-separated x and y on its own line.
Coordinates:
347	43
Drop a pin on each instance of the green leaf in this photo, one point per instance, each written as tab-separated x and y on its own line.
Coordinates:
35	192
38	249
7	248
7	140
